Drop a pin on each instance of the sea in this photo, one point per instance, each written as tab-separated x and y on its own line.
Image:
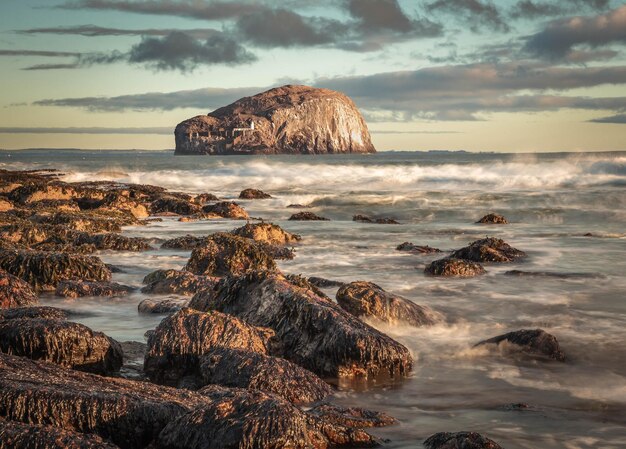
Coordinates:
566	210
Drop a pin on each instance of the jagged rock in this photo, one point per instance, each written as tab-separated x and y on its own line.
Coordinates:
408	246
454	267
88	221
115	242
324	283
253	194
78	289
223	254
238	418
288	119
529	341
68	344
186	242
266	232
37	191
176	282
366	299
489	249
366	219
44	270
17	435
493	219
351	416
204	198
178	341
227	209
256	371
118	202
15	292
56	205
45	312
460	440
307	216
175	205
314	332
162	306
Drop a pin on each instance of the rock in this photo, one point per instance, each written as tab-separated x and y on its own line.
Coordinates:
314	332
366	219
454	267
17	435
45	312
278	252
238	418
37	191
307	216
134	353
186	242
15	292
460	440
529	341
176	282
5	205
408	246
162	306
174	205
44	270
204	198
223	254
68	344
366	299
493	219
56	205
324	283
115	242
119	202
284	120
253	194
257	371
299	206
553	274
266	232
227	209
178	341
78	289
489	249
352	417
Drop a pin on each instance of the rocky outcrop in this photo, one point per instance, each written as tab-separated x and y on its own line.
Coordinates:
418	249
17	435
227	209
78	289
174	205
204	198
352	416
451	267
489	249
253	194
284	120
186	242
368	300
529	341
45	312
162	306
267	232
15	292
460	440
176	282
307	216
493	219
366	219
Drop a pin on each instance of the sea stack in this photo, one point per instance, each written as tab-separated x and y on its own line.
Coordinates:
284	120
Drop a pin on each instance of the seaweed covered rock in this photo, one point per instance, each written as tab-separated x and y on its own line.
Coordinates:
419	249
313	331
68	344
44	270
253	194
489	249
351	416
204	198
78	289
227	209
15	292
266	232
307	216
174	205
528	341
324	283
460	440
117	202
5	205
253	370
17	435
178	341
176	282
222	254
39	191
366	219
451	267
45	312
366	299
186	242
493	219
162	306
110	241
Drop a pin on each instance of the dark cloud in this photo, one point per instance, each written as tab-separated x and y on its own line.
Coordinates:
476	13
68	66
380	14
47	54
615	119
532	9
97	31
147	130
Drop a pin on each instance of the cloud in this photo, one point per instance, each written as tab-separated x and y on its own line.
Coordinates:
98	31
47	54
476	13
615	119
380	14
560	37
68	66
532	9
95	130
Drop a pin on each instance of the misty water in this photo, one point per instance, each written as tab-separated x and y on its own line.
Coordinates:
551	200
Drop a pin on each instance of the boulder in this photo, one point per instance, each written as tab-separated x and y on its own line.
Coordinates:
460	440
109	241
227	209
324	283
174	205
528	341
366	219
38	191
204	198
15	292
307	216
222	254
368	300
419	249
256	371
68	344
266	232
178	341
186	242
351	416
17	435
253	194
45	312
78	289
284	120
118	202
313	331
493	219
162	306
451	267
489	249
176	282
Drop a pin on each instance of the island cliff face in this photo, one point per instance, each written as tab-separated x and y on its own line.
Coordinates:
285	120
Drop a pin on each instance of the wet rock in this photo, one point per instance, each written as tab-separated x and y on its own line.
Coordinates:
204	198
174	205
114	242
78	289
266	232
278	252
134	353
223	254
17	435
256	420
91	221
176	282
257	371
227	209
366	219
324	283
460	440
314	332
298	206
186	242
493	219
253	194
178	341
162	306
44	270
5	205
68	344
15	292
489	249
119	202
37	191
408	246
366	299
529	341
45	312
351	416
454	268
553	274
56	205
307	216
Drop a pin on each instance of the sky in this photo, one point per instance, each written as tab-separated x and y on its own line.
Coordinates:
475	75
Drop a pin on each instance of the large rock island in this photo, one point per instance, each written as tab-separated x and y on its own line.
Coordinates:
284	120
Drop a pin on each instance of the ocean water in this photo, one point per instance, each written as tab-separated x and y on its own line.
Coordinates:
552	201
